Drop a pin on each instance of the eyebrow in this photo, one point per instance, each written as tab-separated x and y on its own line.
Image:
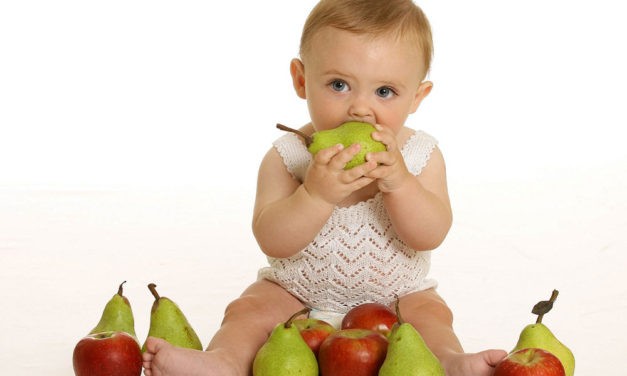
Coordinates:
334	72
394	84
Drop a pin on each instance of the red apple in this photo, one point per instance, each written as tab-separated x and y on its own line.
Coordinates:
352	352
107	354
373	316
314	331
530	362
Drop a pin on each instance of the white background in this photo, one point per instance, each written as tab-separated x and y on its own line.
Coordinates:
131	133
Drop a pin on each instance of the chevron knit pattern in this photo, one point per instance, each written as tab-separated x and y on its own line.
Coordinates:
357	257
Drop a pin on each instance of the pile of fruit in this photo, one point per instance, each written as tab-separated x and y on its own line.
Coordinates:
373	340
112	348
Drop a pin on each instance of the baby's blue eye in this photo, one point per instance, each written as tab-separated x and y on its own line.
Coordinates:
385	92
339	85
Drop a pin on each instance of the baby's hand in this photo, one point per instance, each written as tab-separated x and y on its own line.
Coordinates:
326	178
391	171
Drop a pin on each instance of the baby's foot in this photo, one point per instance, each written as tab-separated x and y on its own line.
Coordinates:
479	364
163	359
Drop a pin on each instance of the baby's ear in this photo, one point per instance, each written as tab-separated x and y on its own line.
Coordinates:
423	90
297	70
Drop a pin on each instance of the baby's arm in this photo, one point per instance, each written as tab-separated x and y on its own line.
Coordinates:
289	214
419	208
285	218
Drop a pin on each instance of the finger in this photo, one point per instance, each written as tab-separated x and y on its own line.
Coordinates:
360	183
380	172
361	170
385	136
343	157
375	174
382	158
324	156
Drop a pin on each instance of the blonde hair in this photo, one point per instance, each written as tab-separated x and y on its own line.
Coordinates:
400	18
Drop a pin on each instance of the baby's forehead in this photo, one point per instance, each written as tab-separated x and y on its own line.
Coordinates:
329	35
334	46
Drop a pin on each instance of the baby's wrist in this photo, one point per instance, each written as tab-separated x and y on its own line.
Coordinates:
316	200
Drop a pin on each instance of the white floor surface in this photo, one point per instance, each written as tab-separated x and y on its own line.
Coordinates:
63	254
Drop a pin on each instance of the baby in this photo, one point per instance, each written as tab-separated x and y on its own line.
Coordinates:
338	238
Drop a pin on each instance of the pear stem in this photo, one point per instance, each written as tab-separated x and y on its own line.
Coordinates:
397	307
121	289
303	311
544	307
308	139
153	290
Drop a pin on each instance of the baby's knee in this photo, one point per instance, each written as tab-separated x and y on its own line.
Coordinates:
441	310
243	306
426	303
252	307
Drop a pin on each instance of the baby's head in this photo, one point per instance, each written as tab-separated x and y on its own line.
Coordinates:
400	19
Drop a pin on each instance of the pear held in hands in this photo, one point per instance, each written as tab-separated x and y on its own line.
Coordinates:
408	354
347	134
539	336
168	322
285	352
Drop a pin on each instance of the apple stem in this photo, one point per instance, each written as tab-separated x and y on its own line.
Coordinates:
544	307
308	139
121	289
153	290
303	311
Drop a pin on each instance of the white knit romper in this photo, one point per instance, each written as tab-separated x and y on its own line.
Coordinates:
357	257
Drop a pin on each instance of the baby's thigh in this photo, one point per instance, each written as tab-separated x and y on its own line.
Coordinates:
264	300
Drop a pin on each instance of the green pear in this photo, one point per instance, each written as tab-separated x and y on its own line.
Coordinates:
408	354
347	134
285	352
168	322
538	335
117	315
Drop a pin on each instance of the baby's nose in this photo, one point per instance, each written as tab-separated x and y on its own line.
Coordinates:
359	110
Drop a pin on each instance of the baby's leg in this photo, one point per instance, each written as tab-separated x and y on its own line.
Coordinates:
249	320
433	319
247	323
